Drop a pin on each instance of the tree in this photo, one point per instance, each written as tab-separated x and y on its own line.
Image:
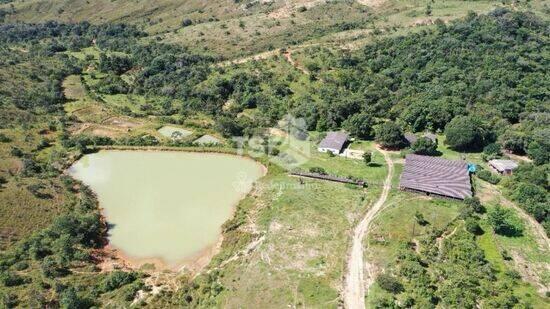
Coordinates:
389	135
424	146
540	153
471	224
504	222
466	133
367	157
389	283
4	138
492	151
69	299
474	204
360	125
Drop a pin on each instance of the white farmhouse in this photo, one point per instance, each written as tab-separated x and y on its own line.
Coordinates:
334	142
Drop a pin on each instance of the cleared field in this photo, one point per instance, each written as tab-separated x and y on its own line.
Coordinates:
306	229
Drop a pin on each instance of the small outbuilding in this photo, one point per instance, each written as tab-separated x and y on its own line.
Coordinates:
436	176
504	167
334	142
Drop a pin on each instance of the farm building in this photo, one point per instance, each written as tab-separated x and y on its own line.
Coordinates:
411	138
334	142
436	176
504	167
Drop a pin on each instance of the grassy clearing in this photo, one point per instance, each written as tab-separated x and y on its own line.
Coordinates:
306	228
494	245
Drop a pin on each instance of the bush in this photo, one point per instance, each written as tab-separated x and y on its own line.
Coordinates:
488	176
186	22
4	138
389	283
474	204
69	299
8	279
116	279
317	170
424	146
367	157
472	226
419	217
491	151
504	222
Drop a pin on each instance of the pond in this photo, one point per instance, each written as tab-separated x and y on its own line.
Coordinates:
163	206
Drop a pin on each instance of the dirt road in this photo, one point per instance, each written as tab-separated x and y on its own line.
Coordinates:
355	283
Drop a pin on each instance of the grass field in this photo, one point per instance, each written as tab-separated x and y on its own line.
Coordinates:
307	228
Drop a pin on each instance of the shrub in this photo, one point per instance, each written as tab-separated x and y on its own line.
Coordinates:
51	268
367	157
69	299
8	300
116	279
420	218
389	283
317	170
504	222
186	22
474	204
8	278
471	224
4	138
491	151
529	193
424	146
488	176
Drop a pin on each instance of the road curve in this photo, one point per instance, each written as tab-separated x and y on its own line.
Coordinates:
355	284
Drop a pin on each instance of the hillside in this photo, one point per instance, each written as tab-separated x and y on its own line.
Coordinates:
235	28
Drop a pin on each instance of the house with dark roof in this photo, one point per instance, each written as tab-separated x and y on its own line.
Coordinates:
334	142
436	176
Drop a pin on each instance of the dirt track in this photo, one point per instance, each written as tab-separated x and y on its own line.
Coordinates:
355	283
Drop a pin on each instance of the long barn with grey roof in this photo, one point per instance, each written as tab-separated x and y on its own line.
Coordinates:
436	176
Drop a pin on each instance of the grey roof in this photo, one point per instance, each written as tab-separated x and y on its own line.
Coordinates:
411	138
436	175
207	139
431	136
503	165
334	140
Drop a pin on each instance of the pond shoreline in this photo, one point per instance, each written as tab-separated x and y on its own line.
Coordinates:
111	257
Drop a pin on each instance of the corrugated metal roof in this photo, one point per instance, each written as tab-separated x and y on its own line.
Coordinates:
334	140
503	165
436	175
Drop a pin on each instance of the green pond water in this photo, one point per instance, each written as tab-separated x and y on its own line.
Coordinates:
166	205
